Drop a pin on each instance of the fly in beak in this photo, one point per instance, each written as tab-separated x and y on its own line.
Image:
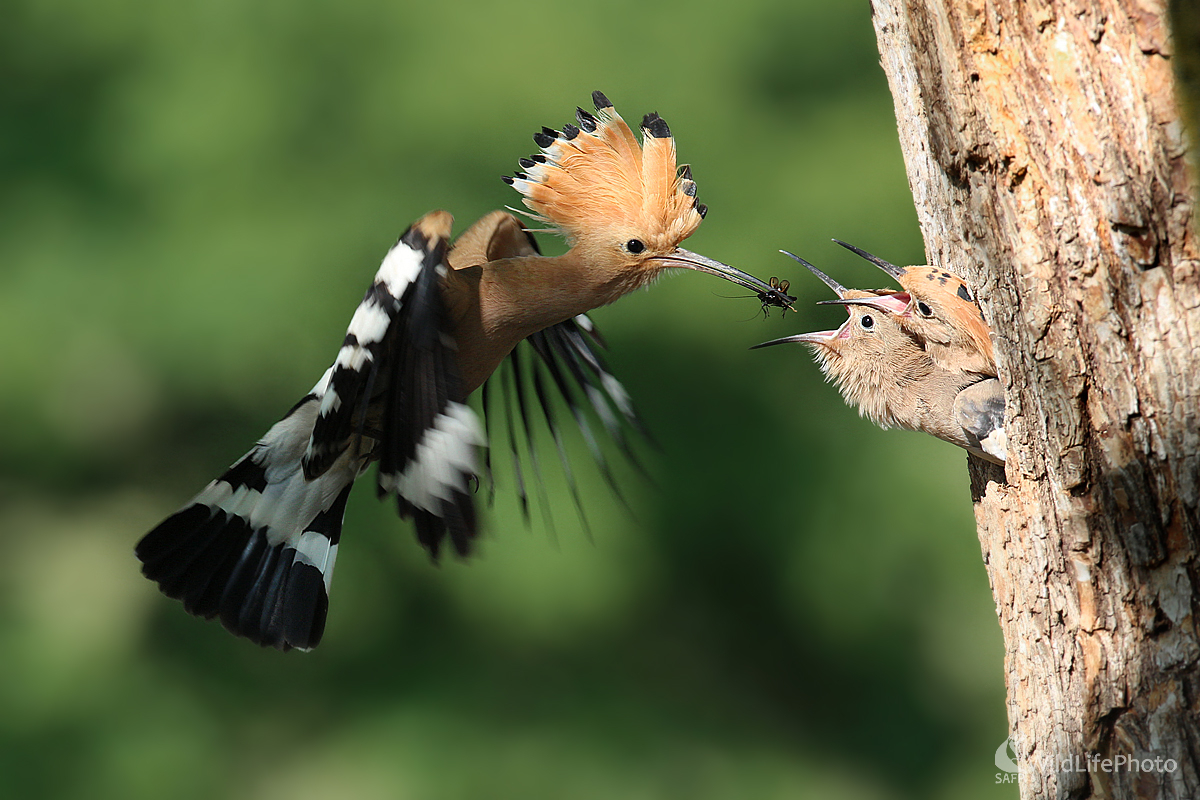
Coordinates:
816	337
689	260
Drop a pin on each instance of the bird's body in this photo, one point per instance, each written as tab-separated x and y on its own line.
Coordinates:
887	371
257	546
939	309
887	375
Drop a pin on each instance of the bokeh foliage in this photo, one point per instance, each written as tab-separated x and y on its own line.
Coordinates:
193	197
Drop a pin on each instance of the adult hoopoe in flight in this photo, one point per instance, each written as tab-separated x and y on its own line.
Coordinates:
891	376
257	546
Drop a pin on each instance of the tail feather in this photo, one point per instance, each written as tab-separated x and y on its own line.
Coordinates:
202	583
245	613
240	583
257	547
179	552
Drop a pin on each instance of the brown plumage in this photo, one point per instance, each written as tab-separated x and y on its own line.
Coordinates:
257	546
624	209
940	309
887	372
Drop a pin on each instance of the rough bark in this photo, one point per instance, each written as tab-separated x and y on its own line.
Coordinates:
1047	162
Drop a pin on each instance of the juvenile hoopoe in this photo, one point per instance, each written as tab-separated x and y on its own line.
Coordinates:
890	376
257	546
938	307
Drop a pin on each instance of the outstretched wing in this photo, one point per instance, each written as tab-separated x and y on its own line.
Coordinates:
428	434
364	362
563	360
395	392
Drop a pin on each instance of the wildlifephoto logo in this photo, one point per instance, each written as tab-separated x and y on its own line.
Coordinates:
1006	762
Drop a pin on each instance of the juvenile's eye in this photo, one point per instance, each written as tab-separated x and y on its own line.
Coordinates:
635	246
924	310
867	322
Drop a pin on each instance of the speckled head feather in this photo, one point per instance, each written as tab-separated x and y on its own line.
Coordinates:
597	175
951	300
940	309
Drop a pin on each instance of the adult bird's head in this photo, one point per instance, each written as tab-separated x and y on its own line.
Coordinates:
623	207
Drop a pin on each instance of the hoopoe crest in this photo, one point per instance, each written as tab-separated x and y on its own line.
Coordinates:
598	171
622	206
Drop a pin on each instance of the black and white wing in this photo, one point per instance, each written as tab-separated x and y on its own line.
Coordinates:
563	360
396	385
257	546
429	436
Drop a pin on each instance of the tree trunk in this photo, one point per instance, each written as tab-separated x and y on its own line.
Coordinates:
1047	161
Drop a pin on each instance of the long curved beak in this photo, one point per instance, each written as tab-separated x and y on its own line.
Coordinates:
888	267
825	279
817	337
690	260
895	303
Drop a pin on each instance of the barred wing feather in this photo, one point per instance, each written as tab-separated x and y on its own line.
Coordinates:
257	546
564	359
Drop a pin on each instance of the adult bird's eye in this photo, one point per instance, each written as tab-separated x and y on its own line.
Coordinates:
867	322
635	246
924	310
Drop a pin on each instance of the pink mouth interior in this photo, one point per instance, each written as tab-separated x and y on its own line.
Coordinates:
844	331
897	303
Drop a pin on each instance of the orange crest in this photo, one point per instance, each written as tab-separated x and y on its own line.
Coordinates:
596	176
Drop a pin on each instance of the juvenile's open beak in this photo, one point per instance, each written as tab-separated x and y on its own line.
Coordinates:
816	337
690	260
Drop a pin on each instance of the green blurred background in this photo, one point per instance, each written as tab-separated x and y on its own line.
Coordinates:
193	197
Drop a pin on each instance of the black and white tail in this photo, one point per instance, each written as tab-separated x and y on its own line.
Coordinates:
257	546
